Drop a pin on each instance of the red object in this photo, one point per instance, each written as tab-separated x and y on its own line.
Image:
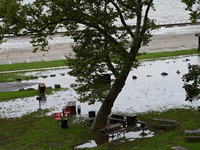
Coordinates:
68	111
57	116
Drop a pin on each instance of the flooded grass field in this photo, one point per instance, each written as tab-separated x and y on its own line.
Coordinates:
151	91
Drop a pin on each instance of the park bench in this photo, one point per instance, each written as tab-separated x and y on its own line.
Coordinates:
165	124
178	148
118	132
89	121
123	118
113	129
192	135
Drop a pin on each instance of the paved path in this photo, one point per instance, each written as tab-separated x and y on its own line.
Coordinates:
19	50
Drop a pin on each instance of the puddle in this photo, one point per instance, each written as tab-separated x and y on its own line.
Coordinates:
102	139
150	91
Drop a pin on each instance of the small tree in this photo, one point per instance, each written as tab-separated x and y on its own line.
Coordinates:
193	7
192	82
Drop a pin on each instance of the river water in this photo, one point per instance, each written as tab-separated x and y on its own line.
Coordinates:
167	11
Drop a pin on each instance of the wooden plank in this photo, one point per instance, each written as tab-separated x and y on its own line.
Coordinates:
192	132
124	114
192	138
164	120
163	126
111	126
178	148
123	120
118	131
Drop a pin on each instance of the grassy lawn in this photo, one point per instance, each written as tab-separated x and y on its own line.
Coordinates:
33	65
39	132
168	54
58	63
6	96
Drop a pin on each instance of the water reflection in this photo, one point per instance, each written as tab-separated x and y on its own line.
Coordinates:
102	139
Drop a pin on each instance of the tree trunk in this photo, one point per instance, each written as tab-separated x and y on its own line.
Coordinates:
105	109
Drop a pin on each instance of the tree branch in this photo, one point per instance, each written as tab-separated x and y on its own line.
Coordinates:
122	20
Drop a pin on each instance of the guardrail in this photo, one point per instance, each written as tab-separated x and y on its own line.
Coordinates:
166	24
176	23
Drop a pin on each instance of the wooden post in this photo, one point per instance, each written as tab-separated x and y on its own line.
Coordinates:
198	35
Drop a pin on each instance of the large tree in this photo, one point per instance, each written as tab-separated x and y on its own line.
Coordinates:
107	34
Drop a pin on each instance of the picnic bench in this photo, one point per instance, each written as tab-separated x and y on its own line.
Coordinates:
165	124
178	148
113	129
89	121
123	118
192	135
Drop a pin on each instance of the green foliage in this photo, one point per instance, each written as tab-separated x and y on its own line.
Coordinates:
37	131
92	25
192	82
106	47
193	7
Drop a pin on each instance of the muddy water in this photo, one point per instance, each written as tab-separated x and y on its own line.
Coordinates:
150	91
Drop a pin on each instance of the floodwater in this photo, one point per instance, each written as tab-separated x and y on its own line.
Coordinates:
167	11
149	92
130	136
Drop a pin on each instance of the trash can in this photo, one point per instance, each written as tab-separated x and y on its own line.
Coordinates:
91	114
41	88
79	109
64	123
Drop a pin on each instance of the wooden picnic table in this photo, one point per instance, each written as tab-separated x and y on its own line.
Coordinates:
112	129
165	123
187	132
111	126
192	134
164	120
123	118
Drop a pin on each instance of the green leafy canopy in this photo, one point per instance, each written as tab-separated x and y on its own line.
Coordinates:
192	82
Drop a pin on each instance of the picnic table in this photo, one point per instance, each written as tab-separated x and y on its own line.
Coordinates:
89	121
192	134
165	124
123	118
112	129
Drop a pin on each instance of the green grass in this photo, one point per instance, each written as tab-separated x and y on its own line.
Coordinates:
12	76
34	132
33	65
6	96
38	132
57	63
167	54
